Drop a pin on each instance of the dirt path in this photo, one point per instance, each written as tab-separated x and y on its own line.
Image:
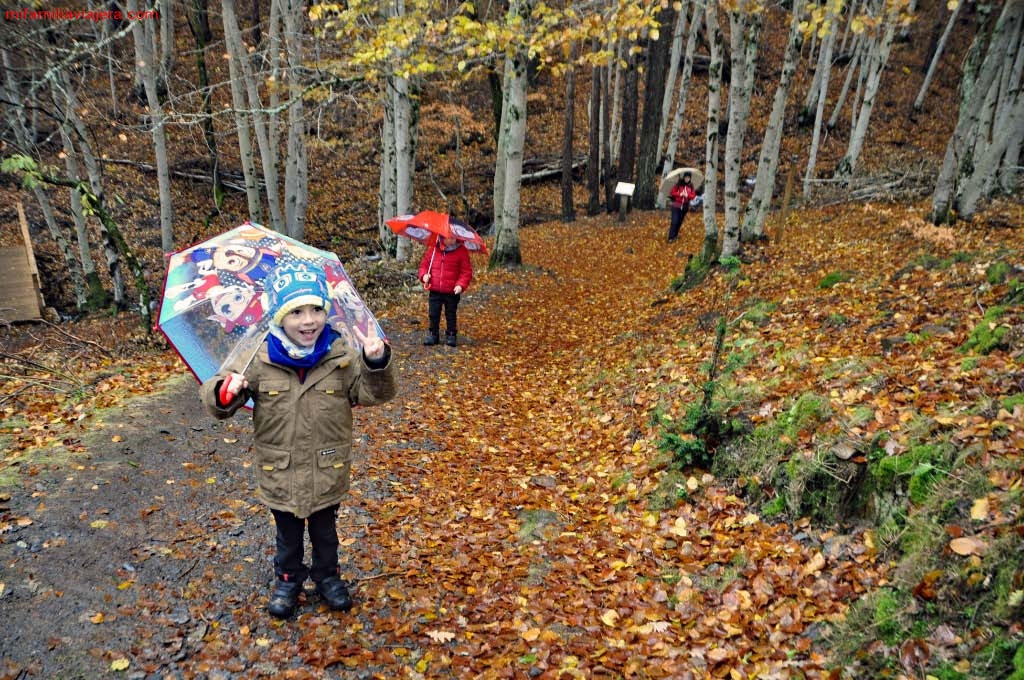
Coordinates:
496	526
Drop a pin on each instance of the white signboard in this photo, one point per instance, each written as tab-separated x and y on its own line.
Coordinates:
624	189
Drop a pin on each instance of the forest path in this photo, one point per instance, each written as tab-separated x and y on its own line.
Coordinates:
497	525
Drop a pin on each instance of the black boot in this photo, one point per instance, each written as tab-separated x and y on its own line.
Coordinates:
449	338
431	338
284	598
334	591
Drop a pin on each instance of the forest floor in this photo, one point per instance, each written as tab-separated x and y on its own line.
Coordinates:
498	525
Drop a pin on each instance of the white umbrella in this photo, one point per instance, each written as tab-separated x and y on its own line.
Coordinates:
696	179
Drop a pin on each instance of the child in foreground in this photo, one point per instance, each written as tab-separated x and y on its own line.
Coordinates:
303	381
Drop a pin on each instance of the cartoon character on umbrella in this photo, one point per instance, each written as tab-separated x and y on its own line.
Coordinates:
304	380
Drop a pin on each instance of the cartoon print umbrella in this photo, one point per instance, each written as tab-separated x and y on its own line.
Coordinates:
213	308
427	225
696	179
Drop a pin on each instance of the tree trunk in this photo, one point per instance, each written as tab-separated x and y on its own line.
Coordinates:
919	100
513	120
268	155
822	74
296	177
607	162
954	170
143	33
627	142
851	71
744	32
66	101
404	158
594	141
678	31
166	9
768	162
15	119
387	203
242	129
876	58
683	88
987	168
198	16
651	130
568	207
709	248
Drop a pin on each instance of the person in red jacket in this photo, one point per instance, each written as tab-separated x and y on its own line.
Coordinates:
446	272
681	194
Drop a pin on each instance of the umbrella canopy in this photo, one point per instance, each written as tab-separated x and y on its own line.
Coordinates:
696	179
213	308
426	226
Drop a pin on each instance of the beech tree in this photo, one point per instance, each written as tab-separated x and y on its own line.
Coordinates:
682	88
745	21
79	268
883	21
651	128
143	33
249	112
989	129
768	159
710	250
936	57
826	30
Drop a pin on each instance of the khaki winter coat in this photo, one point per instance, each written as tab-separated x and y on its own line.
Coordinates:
303	430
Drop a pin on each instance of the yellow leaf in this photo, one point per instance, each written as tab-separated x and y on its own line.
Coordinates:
262	642
125	585
531	634
979	511
97	618
99	524
119	664
816	563
679	527
610	617
117	438
750	519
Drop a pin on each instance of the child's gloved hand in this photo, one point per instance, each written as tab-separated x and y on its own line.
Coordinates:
232	384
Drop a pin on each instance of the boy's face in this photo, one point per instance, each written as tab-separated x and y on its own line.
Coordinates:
303	325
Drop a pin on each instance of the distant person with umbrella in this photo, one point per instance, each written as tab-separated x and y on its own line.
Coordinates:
445	272
681	194
303	380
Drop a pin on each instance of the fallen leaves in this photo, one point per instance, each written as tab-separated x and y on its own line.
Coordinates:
968	545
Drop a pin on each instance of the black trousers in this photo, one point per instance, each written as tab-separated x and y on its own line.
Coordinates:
323	537
450	303
677	221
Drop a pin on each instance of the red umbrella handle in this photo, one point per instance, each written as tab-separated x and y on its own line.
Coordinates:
225	396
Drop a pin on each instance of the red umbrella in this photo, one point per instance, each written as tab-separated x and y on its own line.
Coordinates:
426	226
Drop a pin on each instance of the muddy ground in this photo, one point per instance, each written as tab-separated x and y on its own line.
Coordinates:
146	545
